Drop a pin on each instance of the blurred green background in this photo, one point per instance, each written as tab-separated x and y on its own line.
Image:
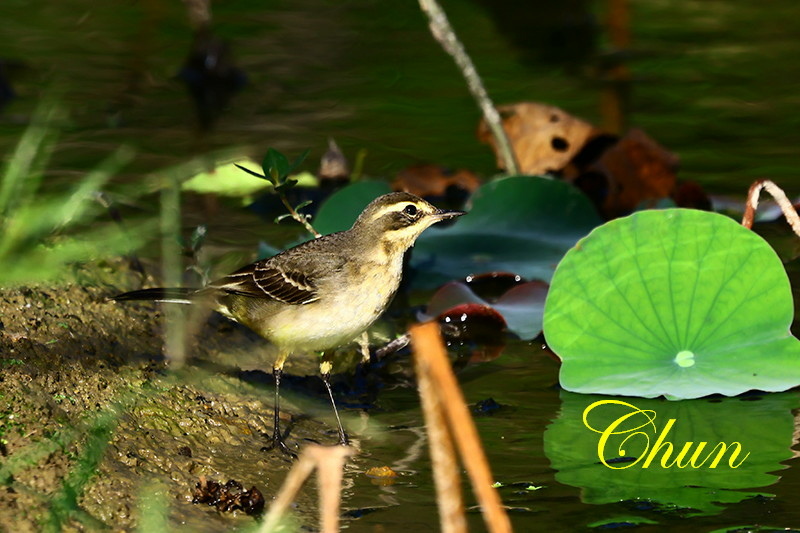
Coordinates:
713	81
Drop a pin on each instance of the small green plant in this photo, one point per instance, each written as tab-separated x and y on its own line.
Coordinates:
64	504
277	170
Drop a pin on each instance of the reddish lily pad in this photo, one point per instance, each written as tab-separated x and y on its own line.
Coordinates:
521	307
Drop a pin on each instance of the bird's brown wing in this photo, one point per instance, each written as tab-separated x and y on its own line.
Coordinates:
262	280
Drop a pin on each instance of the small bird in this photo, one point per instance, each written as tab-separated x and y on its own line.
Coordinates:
320	294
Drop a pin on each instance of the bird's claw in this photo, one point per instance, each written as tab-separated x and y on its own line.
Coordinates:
277	442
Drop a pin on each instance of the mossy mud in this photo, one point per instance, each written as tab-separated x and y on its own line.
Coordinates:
94	421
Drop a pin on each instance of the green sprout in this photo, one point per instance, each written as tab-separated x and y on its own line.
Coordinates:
277	170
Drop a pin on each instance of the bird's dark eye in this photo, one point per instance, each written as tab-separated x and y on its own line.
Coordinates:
410	210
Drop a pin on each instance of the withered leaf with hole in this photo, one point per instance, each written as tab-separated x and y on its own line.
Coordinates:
544	138
426	180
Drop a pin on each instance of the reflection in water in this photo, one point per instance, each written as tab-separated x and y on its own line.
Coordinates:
210	76
644	447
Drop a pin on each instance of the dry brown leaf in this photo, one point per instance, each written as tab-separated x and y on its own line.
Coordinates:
544	138
428	180
637	170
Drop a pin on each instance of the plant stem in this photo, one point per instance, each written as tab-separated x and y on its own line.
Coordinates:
174	319
443	32
446	474
430	357
297	216
780	197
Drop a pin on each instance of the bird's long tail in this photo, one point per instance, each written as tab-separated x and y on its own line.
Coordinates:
177	295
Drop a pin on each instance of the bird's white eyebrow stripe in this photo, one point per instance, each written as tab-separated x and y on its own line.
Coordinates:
395	208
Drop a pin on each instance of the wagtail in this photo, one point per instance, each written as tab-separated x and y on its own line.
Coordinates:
320	294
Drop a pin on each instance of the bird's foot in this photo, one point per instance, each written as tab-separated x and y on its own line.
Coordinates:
278	442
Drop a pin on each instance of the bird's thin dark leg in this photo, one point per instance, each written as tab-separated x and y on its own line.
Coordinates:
325	367
277	436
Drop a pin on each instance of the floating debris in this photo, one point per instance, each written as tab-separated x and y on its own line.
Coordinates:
228	497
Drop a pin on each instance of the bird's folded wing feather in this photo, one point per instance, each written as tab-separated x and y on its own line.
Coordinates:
274	282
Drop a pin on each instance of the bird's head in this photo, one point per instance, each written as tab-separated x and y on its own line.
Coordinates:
398	218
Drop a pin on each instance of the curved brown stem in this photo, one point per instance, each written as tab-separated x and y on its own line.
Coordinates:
780	197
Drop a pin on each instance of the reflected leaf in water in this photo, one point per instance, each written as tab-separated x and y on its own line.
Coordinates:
6	91
763	427
618	522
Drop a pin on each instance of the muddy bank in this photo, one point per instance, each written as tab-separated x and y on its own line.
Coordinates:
92	417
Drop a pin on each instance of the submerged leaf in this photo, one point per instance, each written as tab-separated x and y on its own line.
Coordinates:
680	303
521	307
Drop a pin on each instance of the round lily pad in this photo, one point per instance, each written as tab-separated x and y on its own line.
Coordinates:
519	224
677	302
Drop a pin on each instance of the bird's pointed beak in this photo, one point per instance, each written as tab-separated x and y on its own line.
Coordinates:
442	214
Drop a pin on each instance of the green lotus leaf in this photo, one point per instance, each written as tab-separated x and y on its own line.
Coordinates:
761	425
519	224
678	302
342	208
229	179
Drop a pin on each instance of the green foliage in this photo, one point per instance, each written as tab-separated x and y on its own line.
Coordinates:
64	504
678	302
227	180
42	233
763	429
277	169
153	509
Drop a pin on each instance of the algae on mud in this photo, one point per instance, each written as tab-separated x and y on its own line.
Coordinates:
74	365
